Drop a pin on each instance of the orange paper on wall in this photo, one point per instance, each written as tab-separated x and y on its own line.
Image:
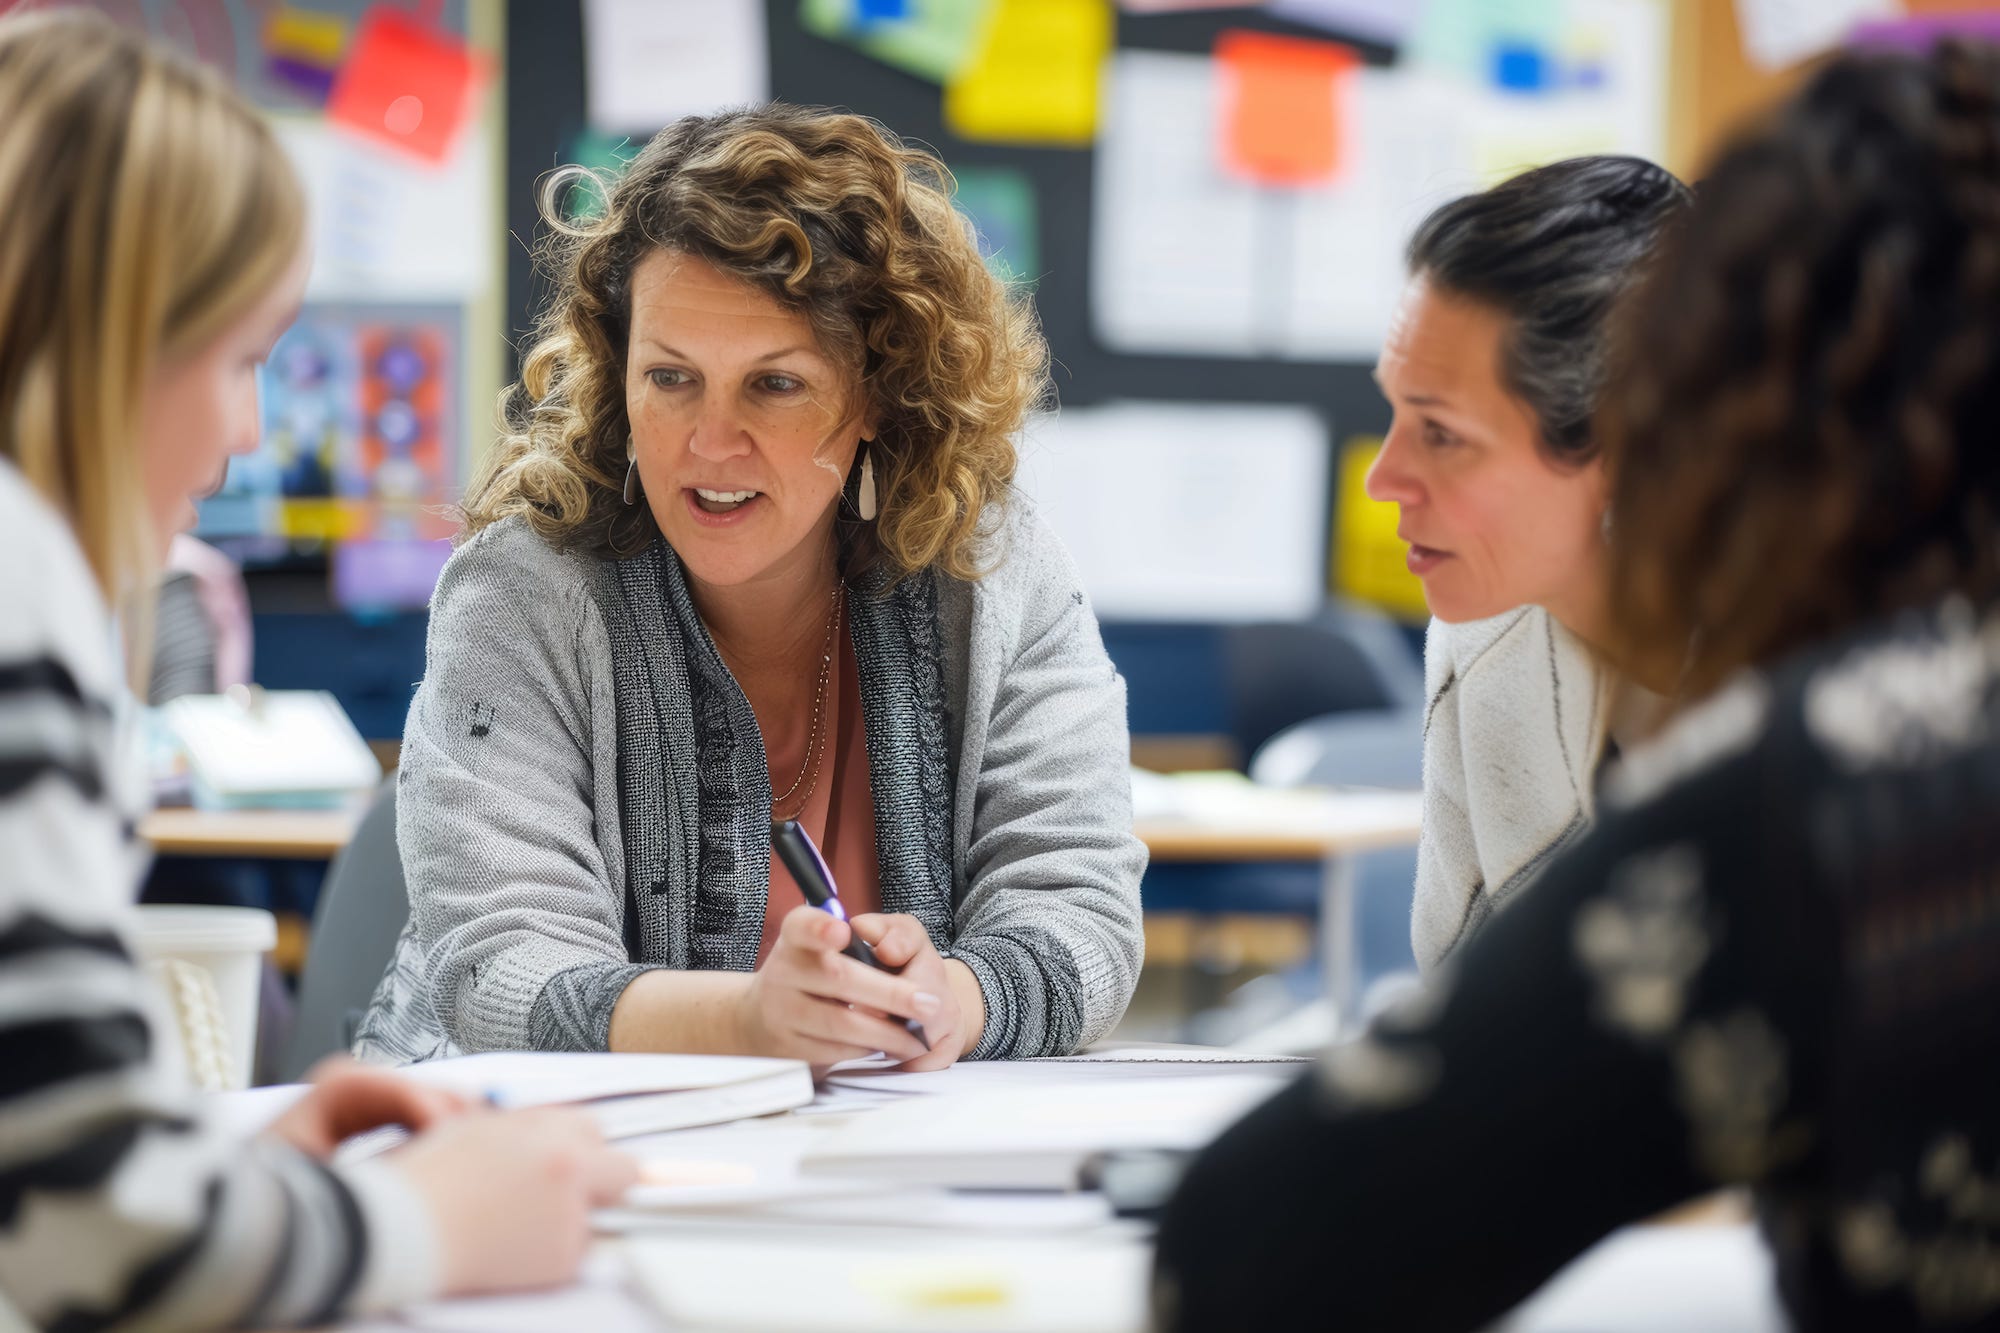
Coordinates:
1279	105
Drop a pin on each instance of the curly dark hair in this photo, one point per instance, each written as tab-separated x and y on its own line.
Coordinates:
1553	249
830	215
1802	436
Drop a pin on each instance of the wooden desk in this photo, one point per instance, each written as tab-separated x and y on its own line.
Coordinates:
1234	824
286	835
1338	824
1289	826
320	834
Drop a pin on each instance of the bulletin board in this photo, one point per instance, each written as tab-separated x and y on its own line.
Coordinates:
376	402
1309	359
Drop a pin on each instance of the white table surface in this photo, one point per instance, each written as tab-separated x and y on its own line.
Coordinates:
1648	1279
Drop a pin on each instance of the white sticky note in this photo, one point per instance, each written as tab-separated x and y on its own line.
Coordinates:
649	62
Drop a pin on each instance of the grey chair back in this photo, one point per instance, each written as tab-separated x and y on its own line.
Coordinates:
1372	748
362	908
1375	747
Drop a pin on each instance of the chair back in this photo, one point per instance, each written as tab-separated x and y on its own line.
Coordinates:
362	908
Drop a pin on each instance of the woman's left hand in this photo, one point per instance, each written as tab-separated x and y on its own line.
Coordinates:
347	1098
902	943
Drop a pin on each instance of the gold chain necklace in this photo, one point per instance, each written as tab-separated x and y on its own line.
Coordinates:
815	737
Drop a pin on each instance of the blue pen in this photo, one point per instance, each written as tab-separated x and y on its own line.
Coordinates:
815	883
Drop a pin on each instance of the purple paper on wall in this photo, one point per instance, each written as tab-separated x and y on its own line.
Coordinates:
1921	33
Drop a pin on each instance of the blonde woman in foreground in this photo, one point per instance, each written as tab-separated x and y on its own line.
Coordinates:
152	249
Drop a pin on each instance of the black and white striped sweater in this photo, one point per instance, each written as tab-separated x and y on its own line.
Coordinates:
121	1205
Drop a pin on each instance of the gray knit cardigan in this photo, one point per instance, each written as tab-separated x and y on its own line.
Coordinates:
584	795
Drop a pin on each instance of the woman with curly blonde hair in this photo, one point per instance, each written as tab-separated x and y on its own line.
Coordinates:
749	552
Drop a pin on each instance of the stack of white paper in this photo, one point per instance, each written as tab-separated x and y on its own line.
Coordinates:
1034	1137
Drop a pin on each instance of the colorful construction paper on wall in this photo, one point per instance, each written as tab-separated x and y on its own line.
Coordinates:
1280	103
1469	39
1919	33
605	154
1188	258
408	85
932	39
1000	201
1370	562
649	62
302	50
359	446
1035	76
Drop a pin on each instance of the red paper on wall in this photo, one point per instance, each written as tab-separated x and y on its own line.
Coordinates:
408	84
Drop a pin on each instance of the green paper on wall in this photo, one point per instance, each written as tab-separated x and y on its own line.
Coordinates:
1001	203
1459	37
606	154
934	39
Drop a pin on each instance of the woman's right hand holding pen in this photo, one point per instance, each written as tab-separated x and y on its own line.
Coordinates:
811	1002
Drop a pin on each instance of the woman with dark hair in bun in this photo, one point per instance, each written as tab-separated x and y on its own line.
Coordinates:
1774	962
1494	366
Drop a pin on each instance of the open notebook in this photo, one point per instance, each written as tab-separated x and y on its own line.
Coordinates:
629	1095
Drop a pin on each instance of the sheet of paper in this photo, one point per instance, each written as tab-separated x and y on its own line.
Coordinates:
1408	153
837	1285
649	62
1279	105
1179	251
1187	511
1033	77
1077	1071
541	1078
387	227
932	39
1778	33
854	1205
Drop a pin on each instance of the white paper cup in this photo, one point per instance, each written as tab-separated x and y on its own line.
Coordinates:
227	943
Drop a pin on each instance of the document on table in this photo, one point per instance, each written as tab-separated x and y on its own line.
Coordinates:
1035	1136
840	1285
1136	1060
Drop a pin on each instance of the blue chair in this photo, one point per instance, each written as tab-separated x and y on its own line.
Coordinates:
1347	659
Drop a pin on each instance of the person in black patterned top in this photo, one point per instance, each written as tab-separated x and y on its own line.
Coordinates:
1776	961
151	251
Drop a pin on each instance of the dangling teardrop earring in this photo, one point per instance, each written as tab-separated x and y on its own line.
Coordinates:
631	473
864	496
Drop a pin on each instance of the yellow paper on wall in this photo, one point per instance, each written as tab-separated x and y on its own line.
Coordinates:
1369	559
1034	77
